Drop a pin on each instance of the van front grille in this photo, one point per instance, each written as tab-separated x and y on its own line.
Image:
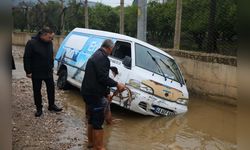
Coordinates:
143	105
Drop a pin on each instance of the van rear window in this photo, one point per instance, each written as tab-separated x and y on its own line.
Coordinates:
76	41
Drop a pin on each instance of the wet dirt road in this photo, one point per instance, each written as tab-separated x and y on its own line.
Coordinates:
207	125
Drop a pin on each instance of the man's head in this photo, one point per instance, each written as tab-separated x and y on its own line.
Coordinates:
46	34
108	46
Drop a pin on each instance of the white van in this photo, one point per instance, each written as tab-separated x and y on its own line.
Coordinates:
155	85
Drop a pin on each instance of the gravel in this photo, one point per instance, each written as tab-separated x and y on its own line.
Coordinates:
52	130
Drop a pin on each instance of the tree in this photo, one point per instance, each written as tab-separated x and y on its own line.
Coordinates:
130	20
52	17
226	19
36	21
161	21
194	23
103	17
74	15
21	15
196	29
19	18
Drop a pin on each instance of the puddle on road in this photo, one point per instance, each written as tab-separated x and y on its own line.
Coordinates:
207	125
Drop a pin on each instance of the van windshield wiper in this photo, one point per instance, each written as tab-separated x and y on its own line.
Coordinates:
171	70
157	65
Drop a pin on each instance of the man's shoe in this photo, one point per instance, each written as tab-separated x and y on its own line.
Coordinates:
38	113
54	108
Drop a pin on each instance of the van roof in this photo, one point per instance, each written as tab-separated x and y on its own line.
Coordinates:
119	36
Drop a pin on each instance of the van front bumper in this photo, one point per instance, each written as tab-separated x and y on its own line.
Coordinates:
148	104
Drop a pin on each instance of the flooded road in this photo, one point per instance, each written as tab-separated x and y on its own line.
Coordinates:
206	125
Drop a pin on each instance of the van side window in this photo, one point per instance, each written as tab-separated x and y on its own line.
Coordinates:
122	51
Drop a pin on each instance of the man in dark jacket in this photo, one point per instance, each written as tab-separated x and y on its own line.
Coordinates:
94	90
38	65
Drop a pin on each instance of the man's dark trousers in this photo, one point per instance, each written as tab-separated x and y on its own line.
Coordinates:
37	84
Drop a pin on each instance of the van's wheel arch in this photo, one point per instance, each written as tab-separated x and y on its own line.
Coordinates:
62	82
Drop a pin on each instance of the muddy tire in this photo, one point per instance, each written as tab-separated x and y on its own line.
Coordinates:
62	80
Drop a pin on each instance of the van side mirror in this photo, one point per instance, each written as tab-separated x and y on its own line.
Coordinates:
127	62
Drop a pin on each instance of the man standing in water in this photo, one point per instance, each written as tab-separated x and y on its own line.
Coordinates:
38	65
94	89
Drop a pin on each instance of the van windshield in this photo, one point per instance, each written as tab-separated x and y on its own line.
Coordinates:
158	63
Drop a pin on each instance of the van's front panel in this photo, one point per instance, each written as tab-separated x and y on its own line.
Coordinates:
147	95
148	91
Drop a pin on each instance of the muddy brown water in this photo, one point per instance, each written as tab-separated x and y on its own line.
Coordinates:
206	125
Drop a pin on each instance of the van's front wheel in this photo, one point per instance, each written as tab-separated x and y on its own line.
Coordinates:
62	80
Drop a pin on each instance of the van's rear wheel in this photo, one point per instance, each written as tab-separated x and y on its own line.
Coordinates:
62	80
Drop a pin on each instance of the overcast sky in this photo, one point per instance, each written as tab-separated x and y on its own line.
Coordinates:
113	2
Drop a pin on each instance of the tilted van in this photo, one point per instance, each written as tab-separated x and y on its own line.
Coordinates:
155	85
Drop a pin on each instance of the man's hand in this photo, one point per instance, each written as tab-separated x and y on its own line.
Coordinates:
120	87
29	75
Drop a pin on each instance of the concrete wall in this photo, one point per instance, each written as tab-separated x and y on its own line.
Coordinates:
20	39
211	75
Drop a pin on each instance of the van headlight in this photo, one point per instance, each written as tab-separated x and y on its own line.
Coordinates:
138	85
135	83
182	101
146	88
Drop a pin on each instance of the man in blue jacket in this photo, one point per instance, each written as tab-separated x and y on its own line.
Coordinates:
38	65
94	90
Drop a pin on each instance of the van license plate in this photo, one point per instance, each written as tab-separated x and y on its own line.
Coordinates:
162	111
